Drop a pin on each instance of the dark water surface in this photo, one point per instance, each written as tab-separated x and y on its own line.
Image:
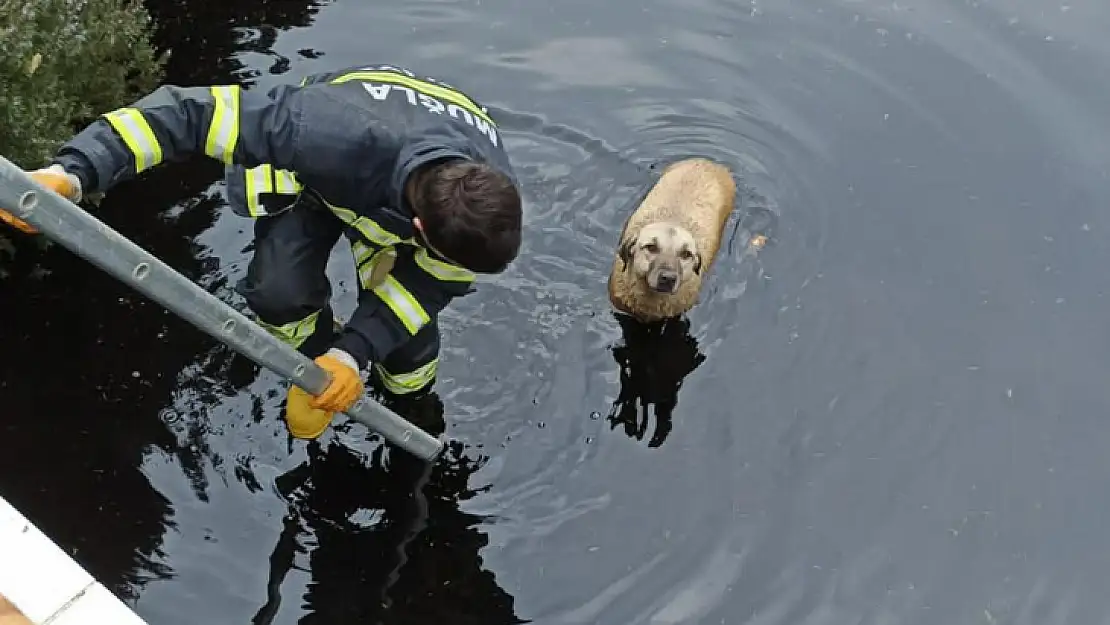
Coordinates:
889	415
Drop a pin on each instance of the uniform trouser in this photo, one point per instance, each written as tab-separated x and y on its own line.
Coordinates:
287	287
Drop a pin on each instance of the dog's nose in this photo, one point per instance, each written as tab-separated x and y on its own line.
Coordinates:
665	283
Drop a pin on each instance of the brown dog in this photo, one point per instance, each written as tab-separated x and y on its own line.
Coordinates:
670	241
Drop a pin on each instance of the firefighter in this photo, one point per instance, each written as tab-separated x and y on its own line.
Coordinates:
410	169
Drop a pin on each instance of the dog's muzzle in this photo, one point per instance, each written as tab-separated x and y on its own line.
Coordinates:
665	281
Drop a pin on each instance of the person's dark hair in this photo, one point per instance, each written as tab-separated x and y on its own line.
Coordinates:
471	213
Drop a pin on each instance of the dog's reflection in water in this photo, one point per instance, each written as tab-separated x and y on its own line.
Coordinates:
654	359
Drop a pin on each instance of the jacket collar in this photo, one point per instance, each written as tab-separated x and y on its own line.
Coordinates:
412	157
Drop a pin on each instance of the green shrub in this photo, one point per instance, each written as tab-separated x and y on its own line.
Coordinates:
62	62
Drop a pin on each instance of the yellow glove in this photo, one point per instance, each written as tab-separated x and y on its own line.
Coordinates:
307	416
301	418
57	180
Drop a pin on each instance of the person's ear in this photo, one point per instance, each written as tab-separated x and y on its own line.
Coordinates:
419	225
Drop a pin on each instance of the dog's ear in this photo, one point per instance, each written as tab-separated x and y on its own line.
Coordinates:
697	263
625	251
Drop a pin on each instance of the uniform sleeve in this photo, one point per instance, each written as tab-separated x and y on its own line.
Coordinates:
409	298
223	122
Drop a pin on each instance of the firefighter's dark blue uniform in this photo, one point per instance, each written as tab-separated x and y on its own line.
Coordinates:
310	163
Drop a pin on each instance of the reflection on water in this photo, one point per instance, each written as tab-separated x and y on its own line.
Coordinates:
91	366
889	413
356	517
99	363
207	38
654	360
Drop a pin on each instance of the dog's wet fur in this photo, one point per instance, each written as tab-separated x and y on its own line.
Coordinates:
670	241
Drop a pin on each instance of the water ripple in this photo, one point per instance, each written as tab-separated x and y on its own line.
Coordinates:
888	413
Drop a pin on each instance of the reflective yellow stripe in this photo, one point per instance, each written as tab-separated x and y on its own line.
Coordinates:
402	383
294	333
368	227
371	274
377	234
223	132
441	270
402	303
365	276
383	238
138	135
455	97
258	181
347	215
361	252
286	182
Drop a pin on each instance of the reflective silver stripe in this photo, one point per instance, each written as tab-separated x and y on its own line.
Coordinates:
402	303
138	135
286	182
441	270
366	226
294	333
223	132
365	273
375	233
346	215
361	252
371	274
258	181
402	383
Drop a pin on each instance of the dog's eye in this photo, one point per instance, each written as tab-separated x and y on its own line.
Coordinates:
652	247
685	254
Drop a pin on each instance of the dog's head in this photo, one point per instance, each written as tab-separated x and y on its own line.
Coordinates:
663	255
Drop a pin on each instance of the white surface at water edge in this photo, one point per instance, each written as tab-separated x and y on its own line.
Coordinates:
46	584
